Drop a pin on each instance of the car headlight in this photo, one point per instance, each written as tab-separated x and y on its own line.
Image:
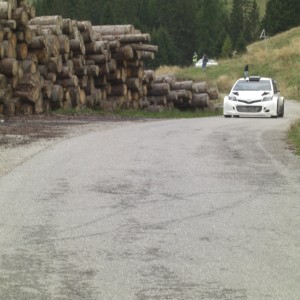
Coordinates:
269	98
232	98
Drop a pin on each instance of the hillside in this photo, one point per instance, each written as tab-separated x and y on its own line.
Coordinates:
277	57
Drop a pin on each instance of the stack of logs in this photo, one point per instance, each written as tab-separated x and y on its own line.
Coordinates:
166	92
49	63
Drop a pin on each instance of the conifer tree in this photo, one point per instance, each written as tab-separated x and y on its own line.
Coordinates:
281	15
227	47
236	26
252	21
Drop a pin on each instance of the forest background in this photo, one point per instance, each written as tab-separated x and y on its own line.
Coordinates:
218	28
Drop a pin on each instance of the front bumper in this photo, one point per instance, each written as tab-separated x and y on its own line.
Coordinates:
258	109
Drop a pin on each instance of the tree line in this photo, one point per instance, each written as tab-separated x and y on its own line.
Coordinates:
180	28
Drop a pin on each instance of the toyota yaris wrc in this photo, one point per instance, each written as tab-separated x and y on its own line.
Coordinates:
254	96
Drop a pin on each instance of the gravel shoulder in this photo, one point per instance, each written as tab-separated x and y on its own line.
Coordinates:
21	137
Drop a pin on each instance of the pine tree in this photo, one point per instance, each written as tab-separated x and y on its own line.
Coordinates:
252	21
227	47
281	15
210	27
236	26
167	53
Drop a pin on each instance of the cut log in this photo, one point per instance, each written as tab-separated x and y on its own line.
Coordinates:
9	51
134	83
51	77
67	27
90	86
32	95
12	24
123	53
3	82
185	94
22	51
149	75
114	29
172	96
64	44
57	93
43	55
28	66
135	72
93	70
200	100
9	66
5	10
213	94
200	87
158	100
55	64
47	20
119	90
69	82
39	105
183	85
100	81
38	42
54	45
147	55
143	47
129	38
75	95
25	35
97	58
20	16
159	89
12	106
169	78
77	46
47	89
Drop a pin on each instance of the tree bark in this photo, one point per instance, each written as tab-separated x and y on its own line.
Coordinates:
5	10
47	20
9	66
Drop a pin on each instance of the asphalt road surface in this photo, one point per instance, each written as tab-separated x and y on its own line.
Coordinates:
177	209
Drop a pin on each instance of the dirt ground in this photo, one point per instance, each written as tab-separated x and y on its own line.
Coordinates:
23	136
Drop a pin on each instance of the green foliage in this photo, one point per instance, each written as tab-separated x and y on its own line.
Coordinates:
294	136
227	47
182	27
167	54
252	21
281	15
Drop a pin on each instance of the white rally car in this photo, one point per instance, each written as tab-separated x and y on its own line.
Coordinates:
254	96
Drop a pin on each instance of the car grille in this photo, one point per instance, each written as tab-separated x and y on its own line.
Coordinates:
250	109
249	101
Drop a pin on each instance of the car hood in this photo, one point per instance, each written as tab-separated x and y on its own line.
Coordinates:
250	95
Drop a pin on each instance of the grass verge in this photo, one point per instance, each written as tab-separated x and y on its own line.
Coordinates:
294	136
167	114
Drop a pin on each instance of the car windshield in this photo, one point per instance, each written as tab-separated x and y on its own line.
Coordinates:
246	85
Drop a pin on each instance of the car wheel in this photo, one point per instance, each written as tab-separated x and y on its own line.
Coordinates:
282	112
227	116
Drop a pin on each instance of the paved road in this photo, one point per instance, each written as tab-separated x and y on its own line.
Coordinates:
182	209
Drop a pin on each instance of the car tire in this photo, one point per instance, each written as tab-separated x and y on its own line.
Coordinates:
227	116
281	113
